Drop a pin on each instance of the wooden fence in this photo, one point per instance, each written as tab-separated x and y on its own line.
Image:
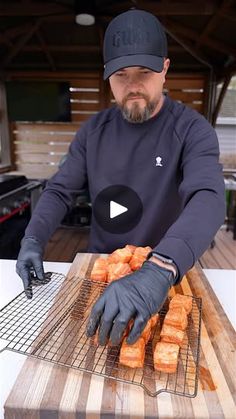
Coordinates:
39	147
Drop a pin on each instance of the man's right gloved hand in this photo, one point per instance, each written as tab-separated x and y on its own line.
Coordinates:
30	259
136	296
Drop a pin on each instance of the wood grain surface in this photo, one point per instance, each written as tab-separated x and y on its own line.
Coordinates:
47	391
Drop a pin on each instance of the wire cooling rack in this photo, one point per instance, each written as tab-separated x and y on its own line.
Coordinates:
52	326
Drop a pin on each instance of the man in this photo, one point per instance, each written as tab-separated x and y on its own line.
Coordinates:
164	152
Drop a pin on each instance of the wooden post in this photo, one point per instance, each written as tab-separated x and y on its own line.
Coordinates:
5	160
220	98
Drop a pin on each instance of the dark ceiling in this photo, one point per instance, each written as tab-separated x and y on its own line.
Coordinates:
43	35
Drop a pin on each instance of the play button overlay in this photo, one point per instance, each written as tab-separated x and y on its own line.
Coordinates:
117	209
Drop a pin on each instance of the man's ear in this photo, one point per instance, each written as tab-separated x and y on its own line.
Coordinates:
166	65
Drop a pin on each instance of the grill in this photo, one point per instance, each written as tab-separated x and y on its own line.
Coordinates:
18	197
52	325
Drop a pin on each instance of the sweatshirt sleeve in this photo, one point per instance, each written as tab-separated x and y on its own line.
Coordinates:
202	197
60	192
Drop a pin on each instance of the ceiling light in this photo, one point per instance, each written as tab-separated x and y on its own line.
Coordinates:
84	19
85	12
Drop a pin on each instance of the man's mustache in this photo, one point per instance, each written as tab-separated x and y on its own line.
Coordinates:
132	95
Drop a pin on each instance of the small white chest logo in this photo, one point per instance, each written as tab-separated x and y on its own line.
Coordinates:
159	161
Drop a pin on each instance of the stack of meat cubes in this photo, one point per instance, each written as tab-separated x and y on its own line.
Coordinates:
121	263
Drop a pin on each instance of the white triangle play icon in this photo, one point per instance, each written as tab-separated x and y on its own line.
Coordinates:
116	209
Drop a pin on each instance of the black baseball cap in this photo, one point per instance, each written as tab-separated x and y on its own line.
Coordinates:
134	38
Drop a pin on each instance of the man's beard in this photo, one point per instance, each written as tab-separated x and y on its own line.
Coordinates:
135	113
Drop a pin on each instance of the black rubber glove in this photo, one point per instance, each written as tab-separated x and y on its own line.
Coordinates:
30	259
138	296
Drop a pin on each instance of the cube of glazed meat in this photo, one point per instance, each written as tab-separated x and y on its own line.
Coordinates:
176	317
128	328
117	270
166	357
99	270
150	325
139	257
147	331
131	248
120	255
171	334
136	262
182	301
142	251
133	355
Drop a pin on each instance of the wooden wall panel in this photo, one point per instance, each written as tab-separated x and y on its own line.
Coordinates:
30	157
39	147
188	89
36	171
185	81
28	147
85	98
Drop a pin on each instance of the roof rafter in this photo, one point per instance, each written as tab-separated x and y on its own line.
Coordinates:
4	40
33	9
191	34
81	48
49	8
15	31
64	48
231	16
186	44
213	22
195	39
181	8
44	48
20	43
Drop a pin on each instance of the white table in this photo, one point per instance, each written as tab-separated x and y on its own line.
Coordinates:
223	283
10	286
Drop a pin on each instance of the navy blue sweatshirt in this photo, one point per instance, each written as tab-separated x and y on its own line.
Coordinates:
183	197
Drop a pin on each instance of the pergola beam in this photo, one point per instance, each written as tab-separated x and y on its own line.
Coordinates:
40	9
187	45
45	49
229	16
173	32
36	9
64	48
4	40
20	43
162	9
17	30
81	48
213	22
220	98
191	34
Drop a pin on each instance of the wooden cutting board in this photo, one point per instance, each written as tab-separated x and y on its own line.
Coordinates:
47	391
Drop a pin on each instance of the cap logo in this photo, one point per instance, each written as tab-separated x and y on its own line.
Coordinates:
130	37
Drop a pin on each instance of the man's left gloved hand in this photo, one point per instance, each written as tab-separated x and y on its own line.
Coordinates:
138	296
